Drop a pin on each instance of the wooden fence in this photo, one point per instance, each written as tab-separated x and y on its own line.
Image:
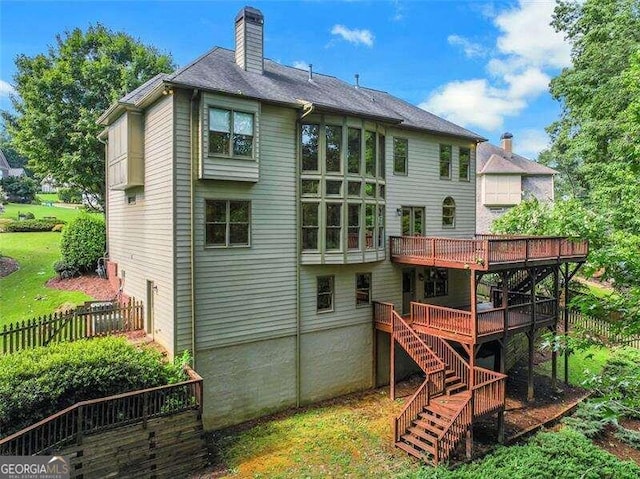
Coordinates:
600	330
116	436
94	318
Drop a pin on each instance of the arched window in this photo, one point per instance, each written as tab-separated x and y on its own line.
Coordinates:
448	213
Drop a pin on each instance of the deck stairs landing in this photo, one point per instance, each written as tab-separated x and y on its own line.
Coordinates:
437	417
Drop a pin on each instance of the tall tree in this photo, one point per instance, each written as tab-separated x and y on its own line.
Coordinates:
61	94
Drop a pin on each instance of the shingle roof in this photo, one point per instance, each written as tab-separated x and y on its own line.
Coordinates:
494	159
217	71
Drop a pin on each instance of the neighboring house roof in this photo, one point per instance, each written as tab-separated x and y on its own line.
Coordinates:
16	171
4	165
217	71
495	160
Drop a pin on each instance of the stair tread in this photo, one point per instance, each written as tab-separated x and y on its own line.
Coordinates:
408	448
432	422
426	434
410	438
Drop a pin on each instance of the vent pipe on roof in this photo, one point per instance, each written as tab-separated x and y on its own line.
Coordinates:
310	71
507	142
250	40
357	80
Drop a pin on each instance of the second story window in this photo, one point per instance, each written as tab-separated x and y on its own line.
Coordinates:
400	156
448	213
370	153
333	148
228	223
445	162
412	221
464	163
230	133
310	134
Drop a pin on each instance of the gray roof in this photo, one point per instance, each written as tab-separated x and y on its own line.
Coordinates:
494	159
217	71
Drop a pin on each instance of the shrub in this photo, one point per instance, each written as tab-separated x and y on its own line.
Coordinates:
83	242
69	195
26	216
39	382
19	189
65	270
58	227
30	226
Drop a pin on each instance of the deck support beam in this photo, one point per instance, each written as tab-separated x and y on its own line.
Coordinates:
473	349
566	277
554	329
392	368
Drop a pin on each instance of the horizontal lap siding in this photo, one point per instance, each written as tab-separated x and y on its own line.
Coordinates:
140	235
247	294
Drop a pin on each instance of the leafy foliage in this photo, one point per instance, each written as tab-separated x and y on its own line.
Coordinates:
39	382
63	92
31	226
69	195
19	189
83	242
566	454
65	270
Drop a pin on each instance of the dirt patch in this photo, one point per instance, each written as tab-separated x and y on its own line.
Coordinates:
8	266
96	287
615	446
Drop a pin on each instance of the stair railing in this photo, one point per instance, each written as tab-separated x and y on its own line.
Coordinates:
410	411
488	392
422	354
448	355
449	438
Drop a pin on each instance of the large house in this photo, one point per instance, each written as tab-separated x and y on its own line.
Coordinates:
288	229
504	179
5	168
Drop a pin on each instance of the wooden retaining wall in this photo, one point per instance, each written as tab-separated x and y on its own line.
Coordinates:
168	447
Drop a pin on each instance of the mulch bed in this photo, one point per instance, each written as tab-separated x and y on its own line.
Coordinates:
618	448
8	266
96	287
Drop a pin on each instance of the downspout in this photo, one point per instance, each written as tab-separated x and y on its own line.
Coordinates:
193	139
106	197
298	252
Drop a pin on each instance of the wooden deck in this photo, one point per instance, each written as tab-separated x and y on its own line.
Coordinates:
486	252
460	324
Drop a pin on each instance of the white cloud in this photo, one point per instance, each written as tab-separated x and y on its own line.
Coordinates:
301	64
530	142
469	48
354	36
398	11
526	49
6	89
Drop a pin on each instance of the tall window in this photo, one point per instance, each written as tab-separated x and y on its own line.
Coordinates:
227	223
464	162
370	153
310	135
448	213
380	226
353	233
412	221
310	226
333	226
436	282
400	156
382	149
333	148
370	226
354	150
445	162
230	132
324	295
363	289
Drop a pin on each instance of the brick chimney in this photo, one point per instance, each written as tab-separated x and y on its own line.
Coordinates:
507	142
250	40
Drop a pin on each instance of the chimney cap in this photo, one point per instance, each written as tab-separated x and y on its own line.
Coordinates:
250	14
506	136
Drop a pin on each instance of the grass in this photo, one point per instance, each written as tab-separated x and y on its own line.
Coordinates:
11	211
23	294
582	364
48	197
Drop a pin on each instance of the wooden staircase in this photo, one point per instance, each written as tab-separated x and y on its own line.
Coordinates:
437	417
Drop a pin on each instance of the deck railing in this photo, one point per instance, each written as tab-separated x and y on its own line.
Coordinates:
415	347
445	319
485	250
488	392
383	312
96	415
410	411
94	318
449	356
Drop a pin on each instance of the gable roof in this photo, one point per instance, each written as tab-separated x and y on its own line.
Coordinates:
4	164
492	159
217	71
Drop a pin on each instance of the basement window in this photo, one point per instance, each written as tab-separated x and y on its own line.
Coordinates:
324	297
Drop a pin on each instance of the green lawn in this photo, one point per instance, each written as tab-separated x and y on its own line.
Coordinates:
23	294
582	364
48	197
11	210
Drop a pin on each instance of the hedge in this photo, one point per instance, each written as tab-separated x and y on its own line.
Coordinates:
31	226
83	242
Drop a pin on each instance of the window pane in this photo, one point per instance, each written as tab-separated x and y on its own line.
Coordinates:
219	142
353	233
324	284
325	293
309	214
310	147
239	211
381	191
380	226
310	187
363	289
370	153
354	150
216	234
400	147
354	215
310	238
242	145
381	155
219	120
310	226
445	161
216	211
239	234
334	223
333	187
333	148
334	214
243	123
418	221
355	188
465	161
448	212
370	223
370	190
406	222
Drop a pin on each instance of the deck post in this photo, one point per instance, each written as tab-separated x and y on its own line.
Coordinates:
566	323
392	370
501	426
505	301
530	392
554	352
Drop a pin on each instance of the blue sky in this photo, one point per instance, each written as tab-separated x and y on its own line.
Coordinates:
483	65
